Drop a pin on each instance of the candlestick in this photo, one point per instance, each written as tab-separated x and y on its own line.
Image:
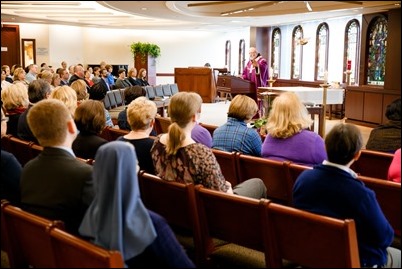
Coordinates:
349	65
271	73
325	77
324	106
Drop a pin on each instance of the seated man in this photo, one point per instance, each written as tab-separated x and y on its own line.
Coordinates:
55	184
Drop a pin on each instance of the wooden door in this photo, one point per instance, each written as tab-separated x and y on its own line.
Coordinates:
10	45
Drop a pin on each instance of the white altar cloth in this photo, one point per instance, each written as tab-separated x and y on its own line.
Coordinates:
309	94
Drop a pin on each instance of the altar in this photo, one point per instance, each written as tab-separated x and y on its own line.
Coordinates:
310	95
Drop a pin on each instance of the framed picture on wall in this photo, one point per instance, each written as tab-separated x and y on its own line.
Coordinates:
28	52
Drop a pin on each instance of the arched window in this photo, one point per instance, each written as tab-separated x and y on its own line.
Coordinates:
228	55
377	48
297	53
321	52
276	52
352	50
242	55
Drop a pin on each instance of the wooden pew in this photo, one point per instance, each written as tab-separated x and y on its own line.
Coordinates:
373	164
73	252
227	162
176	203
235	219
162	124
27	241
388	195
274	174
309	240
111	134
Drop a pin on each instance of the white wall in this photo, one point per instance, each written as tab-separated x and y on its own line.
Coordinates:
93	45
55	43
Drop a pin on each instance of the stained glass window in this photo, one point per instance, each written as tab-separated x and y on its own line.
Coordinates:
351	59
242	55
377	49
321	59
228	55
297	52
276	52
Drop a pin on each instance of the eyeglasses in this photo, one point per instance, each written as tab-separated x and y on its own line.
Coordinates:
5	119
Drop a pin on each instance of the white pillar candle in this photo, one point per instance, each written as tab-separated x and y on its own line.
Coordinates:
325	77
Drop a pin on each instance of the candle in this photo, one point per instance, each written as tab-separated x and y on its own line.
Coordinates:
325	77
349	65
271	73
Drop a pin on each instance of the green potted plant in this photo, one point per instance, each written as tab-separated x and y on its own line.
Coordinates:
145	49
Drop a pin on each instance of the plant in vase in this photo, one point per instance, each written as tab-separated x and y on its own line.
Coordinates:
145	49
259	124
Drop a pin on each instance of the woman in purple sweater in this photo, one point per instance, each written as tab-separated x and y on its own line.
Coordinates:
288	136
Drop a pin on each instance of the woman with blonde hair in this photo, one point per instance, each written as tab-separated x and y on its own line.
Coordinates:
177	157
19	77
67	95
80	87
234	135
15	102
289	137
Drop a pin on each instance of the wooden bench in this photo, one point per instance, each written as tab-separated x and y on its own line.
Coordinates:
238	220
73	252
309	240
27	237
373	164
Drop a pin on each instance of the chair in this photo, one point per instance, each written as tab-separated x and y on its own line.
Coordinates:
162	124
176	203
227	162
388	195
112	99
28	241
174	88
73	252
118	98
158	92
166	90
309	240
275	175
106	102
373	163
235	219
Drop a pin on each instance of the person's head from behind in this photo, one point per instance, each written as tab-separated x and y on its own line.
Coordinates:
393	111
80	87
141	114
38	90
288	116
67	95
97	92
89	117
15	96
51	123
133	92
242	108
183	109
343	143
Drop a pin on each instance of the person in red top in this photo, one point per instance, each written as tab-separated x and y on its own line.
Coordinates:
394	171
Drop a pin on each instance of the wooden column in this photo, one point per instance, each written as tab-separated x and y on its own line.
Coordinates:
149	63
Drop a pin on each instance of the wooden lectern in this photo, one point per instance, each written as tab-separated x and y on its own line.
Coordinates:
235	85
196	79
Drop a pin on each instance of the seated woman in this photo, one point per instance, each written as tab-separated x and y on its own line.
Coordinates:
80	87
118	220
130	94
142	77
141	116
234	135
387	137
90	121
15	102
288	136
177	157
